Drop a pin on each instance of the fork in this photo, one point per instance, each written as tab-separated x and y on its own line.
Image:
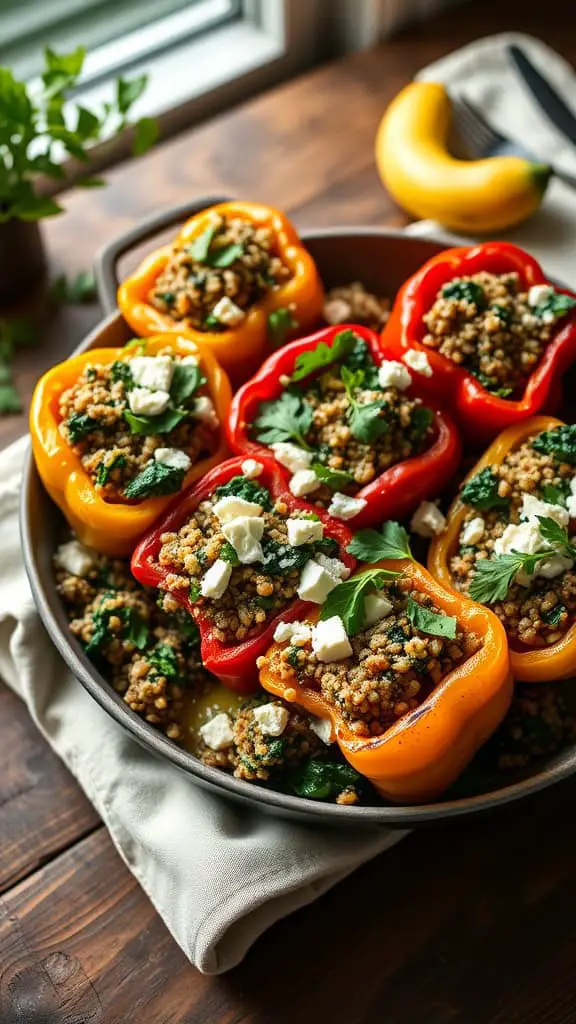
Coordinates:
483	140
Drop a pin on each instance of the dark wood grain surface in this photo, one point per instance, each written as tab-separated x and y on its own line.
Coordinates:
471	923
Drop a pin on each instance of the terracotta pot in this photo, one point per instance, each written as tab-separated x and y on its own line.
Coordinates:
22	259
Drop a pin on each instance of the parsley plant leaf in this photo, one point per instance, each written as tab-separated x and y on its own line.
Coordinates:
347	598
432	623
373	546
287	418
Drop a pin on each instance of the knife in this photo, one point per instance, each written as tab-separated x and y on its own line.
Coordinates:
545	95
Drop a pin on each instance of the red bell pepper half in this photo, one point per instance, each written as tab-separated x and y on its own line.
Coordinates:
480	414
399	489
234	664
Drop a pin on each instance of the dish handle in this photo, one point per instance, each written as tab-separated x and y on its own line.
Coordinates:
106	259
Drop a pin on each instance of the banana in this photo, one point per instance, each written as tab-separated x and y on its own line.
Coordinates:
469	196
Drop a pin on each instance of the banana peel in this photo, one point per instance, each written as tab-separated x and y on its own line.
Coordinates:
468	196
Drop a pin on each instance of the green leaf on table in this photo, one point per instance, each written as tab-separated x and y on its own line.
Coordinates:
429	622
324	355
373	545
146	132
156	479
347	598
287	418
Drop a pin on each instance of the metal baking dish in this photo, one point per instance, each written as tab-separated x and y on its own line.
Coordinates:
382	259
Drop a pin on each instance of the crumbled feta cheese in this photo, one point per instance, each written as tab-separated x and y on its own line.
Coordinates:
393	374
152	372
232	506
75	558
524	538
252	469
418	361
204	410
571	506
245	534
334	566
533	507
272	719
227	312
376	607
291	456
296	631
473	531
315	583
189	360
217	732
343	506
539	293
143	402
427	520
553	566
322	727
174	458
330	641
304	531
216	579
304	482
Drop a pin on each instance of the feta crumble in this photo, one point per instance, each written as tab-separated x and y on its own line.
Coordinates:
418	361
427	520
330	641
217	732
344	507
272	719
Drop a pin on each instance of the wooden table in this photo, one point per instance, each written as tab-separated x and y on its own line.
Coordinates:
472	922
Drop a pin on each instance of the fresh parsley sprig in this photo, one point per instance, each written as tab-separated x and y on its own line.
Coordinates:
432	623
347	599
324	355
373	545
493	577
335	479
287	418
366	423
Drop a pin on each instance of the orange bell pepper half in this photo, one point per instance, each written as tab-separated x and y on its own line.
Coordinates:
111	528
425	751
239	349
530	665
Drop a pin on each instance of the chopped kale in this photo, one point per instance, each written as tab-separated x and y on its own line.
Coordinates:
156	479
481	491
120	370
79	425
292	656
104	471
135	628
560	442
467	290
165	659
420	422
324	780
241	487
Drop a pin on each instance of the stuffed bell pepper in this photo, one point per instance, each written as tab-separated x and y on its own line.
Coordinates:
510	544
348	426
237	278
239	552
411	678
117	431
487	333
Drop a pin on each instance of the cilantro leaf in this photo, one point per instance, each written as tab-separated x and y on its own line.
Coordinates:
559	442
493	578
240	487
151	425
336	479
371	546
104	471
366	423
468	290
78	425
280	323
324	780
347	598
287	418
432	623
156	479
481	491
186	380
165	659
324	355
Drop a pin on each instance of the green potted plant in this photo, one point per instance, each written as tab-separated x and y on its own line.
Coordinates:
44	145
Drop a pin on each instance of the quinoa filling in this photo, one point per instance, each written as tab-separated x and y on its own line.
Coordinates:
343	419
354	304
494	328
393	667
237	561
151	657
516	542
212	281
139	424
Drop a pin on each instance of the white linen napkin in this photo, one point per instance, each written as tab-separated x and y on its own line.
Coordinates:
217	873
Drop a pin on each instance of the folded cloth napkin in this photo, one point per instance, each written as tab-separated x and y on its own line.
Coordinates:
217	873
